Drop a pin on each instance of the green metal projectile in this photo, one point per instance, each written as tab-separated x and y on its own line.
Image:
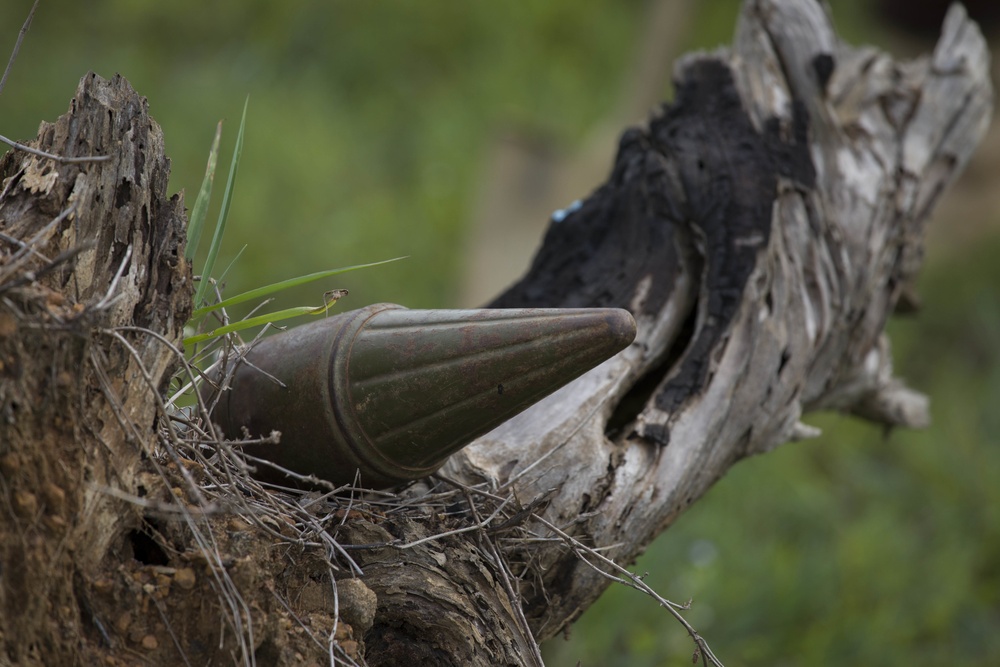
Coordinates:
394	392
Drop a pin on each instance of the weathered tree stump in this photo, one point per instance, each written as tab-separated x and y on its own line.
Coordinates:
92	254
761	229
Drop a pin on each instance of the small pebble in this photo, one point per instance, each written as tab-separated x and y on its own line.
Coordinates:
185	578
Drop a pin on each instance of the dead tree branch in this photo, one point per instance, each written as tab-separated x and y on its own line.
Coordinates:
761	229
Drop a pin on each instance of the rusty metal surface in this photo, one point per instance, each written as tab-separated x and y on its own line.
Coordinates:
393	392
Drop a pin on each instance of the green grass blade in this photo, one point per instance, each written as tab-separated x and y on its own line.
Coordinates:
227	198
198	214
284	284
276	316
222	276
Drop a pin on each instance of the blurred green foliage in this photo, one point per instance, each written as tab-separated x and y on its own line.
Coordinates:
366	133
367	120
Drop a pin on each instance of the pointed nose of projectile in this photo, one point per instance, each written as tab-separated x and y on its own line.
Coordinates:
393	392
424	383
